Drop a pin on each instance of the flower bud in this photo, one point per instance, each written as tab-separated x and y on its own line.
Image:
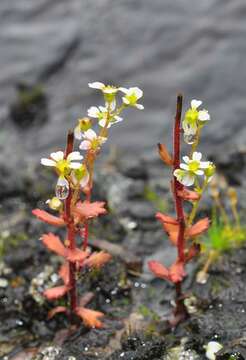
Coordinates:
55	203
84	124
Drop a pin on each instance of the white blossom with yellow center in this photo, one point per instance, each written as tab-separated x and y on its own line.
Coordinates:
102	114
191	168
63	166
192	118
91	140
132	95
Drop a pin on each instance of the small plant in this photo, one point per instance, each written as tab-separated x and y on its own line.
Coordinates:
182	230
225	233
73	199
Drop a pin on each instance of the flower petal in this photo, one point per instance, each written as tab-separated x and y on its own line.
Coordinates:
75	155
57	156
184	166
203	115
188	180
197	156
90	134
93	112
85	145
48	162
74	165
195	103
139	106
77	133
96	85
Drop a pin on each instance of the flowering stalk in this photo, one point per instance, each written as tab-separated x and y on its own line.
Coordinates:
181	230
70	232
73	200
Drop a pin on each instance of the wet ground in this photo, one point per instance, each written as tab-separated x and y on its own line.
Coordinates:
136	305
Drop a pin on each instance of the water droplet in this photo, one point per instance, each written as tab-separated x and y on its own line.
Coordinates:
62	191
189	138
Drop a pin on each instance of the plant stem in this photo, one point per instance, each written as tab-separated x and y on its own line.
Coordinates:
70	232
177	185
180	310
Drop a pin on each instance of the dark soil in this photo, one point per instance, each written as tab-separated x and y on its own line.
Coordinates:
136	305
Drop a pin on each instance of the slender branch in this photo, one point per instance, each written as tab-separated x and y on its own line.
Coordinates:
177	185
70	231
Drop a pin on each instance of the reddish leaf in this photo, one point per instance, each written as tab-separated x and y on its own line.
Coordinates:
64	273
56	310
56	292
163	218
97	260
86	210
77	255
188	195
164	155
198	228
158	269
90	317
53	243
48	218
176	272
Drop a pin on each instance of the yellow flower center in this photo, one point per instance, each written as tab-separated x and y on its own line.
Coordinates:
193	165
63	167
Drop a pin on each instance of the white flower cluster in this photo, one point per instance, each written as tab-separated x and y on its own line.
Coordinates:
72	170
193	167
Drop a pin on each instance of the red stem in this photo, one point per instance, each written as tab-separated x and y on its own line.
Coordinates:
70	232
177	185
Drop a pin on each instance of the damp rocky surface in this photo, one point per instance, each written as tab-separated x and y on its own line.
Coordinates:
136	305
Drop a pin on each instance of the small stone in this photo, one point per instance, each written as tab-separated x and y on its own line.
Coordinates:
211	349
3	283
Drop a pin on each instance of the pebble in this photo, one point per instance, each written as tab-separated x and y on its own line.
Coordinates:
3	283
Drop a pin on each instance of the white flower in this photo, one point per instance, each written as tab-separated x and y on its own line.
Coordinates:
212	348
101	113
132	95
191	168
63	166
192	118
106	89
91	140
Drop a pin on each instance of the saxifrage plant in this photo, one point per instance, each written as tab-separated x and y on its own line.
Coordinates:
181	230
73	199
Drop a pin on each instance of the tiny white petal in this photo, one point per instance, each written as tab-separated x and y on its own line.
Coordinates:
102	123
74	165
126	101
96	85
199	172
204	164
124	90
89	134
203	115
139	106
186	159
184	167
197	156
57	156
77	133
138	92
48	162
93	112
118	118
85	145
195	103
75	155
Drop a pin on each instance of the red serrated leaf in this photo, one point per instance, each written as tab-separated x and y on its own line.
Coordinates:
56	310
170	225
56	292
77	255
158	269
164	155
97	260
87	210
48	218
188	195
176	272
198	228
90	317
64	273
53	243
